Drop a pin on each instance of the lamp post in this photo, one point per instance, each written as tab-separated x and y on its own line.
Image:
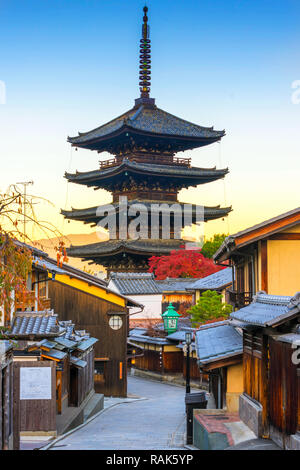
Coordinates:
170	319
188	340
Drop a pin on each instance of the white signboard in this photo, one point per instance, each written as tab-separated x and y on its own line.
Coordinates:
35	383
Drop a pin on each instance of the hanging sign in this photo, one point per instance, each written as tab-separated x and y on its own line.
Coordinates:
35	383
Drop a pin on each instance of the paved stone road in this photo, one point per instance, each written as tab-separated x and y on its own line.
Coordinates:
156	423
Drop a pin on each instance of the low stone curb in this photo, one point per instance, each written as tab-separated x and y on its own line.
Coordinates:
51	444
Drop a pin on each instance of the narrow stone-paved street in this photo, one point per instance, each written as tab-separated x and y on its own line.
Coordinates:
158	422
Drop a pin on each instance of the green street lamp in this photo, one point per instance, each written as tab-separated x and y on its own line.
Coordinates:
170	318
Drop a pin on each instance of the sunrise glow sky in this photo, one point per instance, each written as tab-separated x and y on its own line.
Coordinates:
72	65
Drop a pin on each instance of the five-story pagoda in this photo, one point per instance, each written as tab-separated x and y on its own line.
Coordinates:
144	168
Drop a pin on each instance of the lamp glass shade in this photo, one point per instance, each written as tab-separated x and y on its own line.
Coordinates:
188	338
170	319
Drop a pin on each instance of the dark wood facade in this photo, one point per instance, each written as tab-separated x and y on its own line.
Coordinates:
255	371
81	379
194	369
9	433
92	314
36	416
159	361
284	389
271	379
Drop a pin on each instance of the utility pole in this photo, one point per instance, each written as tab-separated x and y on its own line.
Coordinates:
24	184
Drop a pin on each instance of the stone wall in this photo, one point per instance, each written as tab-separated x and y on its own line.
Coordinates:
251	414
291	442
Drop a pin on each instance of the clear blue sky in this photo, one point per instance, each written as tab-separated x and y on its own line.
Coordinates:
71	65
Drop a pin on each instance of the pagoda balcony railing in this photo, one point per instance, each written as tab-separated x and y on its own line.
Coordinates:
159	159
238	299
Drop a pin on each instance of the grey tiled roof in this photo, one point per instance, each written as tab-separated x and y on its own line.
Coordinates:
141	337
35	323
137	331
214	281
179	335
149	119
268	310
47	265
90	214
175	284
216	341
135	283
56	354
229	242
86	344
5	346
65	342
293	338
194	175
116	246
76	361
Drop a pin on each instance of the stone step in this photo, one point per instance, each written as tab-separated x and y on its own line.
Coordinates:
94	405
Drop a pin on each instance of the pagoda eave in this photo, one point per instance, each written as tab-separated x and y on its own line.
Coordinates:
89	215
191	176
129	136
141	247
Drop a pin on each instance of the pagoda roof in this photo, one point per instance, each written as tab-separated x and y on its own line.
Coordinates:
151	121
143	247
89	214
184	174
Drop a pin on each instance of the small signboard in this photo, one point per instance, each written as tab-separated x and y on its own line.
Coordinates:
35	383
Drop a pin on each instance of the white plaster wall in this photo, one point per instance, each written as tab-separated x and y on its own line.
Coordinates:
152	304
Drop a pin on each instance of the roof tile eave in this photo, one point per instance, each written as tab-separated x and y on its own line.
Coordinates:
152	120
253	228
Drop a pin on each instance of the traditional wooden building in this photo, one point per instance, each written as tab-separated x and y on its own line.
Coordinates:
9	435
220	281
142	288
270	402
143	142
265	257
159	353
163	354
86	301
177	291
219	349
43	341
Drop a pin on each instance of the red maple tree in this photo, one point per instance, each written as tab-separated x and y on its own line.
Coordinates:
182	263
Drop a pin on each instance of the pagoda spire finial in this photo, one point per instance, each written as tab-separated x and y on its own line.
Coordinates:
145	57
